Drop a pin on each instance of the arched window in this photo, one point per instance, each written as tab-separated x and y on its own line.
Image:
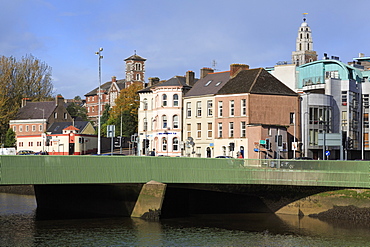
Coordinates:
308	36
175	100
175	144
145	124
138	66
164	144
164	121
164	100
175	121
145	103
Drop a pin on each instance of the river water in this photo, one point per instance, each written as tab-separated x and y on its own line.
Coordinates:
19	227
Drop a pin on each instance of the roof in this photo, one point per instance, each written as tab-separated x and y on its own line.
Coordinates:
210	84
71	127
105	87
58	127
36	110
135	57
256	81
174	81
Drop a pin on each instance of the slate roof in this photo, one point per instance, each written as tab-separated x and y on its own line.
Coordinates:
135	57
105	87
256	81
174	81
210	84
32	110
57	128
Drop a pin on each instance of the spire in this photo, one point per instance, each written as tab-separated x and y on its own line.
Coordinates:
304	52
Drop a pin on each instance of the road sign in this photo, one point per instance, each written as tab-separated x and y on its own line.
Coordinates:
111	130
331	139
327	153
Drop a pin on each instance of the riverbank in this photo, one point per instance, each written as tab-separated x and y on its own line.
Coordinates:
18	189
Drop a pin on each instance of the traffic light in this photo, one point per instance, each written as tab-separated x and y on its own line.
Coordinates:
350	143
268	145
146	143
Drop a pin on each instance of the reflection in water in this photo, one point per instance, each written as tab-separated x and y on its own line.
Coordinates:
20	228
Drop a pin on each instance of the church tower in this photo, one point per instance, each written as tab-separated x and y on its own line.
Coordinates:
304	46
135	70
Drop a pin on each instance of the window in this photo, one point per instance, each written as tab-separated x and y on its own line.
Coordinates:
164	121
164	100
269	131
219	130
65	115
164	144
138	77
366	120
175	122
33	128
137	66
344	118
199	108
292	116
209	130
40	127
198	152
188	130
220	109
231	129
145	104
145	124
20	144
30	144
207	83
15	128
20	128
232	105
175	144
244	107
242	129
38	144
55	115
199	130
209	108
188	109
366	100
175	100
27	128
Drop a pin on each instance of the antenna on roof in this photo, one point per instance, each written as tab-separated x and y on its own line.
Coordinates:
214	63
304	16
135	52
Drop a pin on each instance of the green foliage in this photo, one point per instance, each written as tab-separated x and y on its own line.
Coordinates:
10	140
126	109
77	111
27	78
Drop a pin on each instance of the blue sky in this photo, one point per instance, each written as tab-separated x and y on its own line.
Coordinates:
173	35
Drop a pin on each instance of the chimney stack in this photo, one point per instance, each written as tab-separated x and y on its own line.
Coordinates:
152	81
205	71
114	79
190	78
25	100
236	68
59	100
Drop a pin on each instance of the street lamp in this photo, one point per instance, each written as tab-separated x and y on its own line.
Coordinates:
145	123
43	125
99	93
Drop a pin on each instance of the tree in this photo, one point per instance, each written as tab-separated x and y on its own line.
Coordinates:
77	110
126	108
10	139
27	78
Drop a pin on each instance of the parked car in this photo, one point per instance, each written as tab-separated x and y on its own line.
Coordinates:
224	157
25	152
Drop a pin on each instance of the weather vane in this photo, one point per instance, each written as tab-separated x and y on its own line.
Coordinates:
304	16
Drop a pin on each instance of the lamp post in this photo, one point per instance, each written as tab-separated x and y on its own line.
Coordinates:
99	94
43	126
145	124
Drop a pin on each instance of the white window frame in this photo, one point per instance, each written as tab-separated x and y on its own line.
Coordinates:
232	108
199	108
243	104
219	130
231	129
243	129
188	109
220	106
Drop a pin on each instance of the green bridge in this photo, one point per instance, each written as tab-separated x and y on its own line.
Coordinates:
151	186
